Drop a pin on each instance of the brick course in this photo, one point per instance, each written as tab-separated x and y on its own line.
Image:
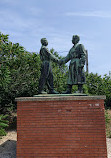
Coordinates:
61	128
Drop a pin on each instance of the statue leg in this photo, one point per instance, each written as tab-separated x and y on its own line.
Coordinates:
80	88
50	83
43	78
42	82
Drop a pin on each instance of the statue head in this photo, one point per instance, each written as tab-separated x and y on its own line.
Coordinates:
75	39
44	42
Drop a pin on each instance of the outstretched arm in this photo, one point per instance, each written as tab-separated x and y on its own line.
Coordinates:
50	55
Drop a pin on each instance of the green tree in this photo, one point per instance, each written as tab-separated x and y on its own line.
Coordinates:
97	85
59	73
20	72
94	84
5	80
107	89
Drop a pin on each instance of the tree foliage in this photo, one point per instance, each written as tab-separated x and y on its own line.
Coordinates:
59	74
98	85
20	72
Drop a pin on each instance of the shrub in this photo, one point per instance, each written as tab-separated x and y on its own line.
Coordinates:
3	124
108	123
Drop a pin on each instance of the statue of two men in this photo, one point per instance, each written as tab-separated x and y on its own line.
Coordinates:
76	74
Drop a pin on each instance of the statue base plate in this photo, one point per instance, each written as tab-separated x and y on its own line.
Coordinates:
54	95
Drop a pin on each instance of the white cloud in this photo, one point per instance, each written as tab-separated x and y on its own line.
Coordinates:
98	14
13	20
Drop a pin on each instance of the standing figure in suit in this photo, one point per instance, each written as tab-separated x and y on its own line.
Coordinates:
46	70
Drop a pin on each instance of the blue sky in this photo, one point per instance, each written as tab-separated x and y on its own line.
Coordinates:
27	21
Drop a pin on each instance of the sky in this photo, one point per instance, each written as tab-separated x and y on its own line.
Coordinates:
27	21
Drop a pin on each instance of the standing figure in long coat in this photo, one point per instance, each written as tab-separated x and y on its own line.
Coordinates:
46	70
76	75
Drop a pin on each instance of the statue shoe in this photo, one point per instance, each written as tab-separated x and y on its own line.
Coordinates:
66	92
42	92
53	92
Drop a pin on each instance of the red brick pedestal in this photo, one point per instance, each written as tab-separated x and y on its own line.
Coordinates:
61	127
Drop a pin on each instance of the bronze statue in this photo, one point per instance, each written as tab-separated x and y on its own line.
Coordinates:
76	75
46	70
